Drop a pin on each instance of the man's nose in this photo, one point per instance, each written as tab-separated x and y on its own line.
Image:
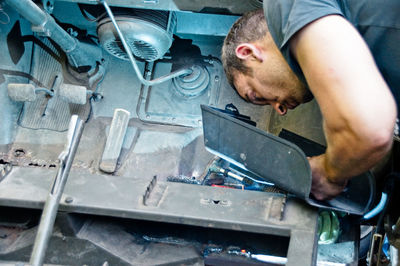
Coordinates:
281	109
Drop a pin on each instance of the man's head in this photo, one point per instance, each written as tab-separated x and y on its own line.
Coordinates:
256	68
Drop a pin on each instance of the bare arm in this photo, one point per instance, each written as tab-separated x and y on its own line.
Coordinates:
358	108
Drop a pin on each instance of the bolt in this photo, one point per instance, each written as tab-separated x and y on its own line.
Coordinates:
216	79
72	32
98	97
19	152
69	200
243	156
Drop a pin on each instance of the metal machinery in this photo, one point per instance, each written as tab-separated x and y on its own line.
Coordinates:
142	189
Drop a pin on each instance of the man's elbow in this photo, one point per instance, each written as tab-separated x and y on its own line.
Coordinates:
380	141
381	128
383	140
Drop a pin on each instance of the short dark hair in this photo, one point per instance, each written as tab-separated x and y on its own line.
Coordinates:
250	27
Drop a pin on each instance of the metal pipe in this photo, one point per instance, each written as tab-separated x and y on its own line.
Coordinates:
28	10
39	18
128	51
46	25
53	200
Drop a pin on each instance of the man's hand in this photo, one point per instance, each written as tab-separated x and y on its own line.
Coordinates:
322	188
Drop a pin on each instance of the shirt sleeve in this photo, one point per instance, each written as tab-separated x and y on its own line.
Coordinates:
286	17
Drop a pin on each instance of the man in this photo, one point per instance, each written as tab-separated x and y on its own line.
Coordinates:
310	48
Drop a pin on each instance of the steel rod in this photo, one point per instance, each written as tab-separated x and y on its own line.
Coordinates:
53	200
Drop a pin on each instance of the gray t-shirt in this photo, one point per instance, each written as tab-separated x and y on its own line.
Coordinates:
378	21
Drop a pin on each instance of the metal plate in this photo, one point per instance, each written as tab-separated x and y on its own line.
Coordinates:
278	161
164	103
272	158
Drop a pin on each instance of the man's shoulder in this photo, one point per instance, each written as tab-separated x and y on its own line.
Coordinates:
286	17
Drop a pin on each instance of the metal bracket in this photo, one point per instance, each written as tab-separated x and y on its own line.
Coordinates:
4	170
374	253
149	189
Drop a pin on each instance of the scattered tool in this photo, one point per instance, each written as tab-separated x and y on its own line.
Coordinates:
214	168
276	260
183	179
53	199
235	251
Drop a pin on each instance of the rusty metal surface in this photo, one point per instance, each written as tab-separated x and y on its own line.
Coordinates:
204	206
110	195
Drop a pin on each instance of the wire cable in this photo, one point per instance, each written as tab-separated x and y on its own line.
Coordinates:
6	16
378	208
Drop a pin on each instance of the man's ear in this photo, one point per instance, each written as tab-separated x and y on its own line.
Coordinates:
246	51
